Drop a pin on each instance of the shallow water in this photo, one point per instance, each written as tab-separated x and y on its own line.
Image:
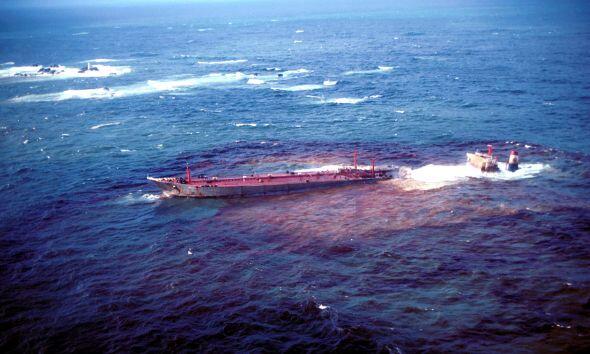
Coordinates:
440	258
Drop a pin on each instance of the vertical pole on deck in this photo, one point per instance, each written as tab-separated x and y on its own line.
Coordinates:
355	158
490	150
373	168
188	174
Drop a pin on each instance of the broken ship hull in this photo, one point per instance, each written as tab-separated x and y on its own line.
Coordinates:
484	162
259	185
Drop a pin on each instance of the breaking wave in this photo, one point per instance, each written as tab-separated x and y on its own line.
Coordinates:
438	176
298	88
156	86
347	100
295	72
151	86
380	69
39	72
98	126
254	81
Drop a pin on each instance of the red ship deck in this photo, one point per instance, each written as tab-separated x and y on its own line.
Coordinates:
265	184
283	178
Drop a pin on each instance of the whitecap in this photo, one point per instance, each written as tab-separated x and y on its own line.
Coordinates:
400	111
308	87
222	62
8	63
345	100
299	31
301	71
330	82
98	126
62	72
205	29
380	69
245	124
254	81
149	87
79	34
297	41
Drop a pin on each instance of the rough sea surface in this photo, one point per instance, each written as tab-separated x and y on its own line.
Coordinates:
442	258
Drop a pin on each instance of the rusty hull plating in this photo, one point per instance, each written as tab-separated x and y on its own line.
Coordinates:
268	184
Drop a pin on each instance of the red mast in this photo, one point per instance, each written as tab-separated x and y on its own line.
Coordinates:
355	158
373	168
188	174
490	150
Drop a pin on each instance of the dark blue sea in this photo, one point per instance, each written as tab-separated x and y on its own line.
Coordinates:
442	258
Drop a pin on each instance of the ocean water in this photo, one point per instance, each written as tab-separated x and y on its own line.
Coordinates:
440	258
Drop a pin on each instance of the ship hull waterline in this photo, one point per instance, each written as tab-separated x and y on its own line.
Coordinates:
212	191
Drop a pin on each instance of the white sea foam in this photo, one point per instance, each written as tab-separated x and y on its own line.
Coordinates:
222	62
98	126
254	81
8	63
62	72
146	198
330	82
205	29
245	124
380	69
79	34
346	100
299	31
149	87
297	41
400	111
296	88
295	72
437	176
